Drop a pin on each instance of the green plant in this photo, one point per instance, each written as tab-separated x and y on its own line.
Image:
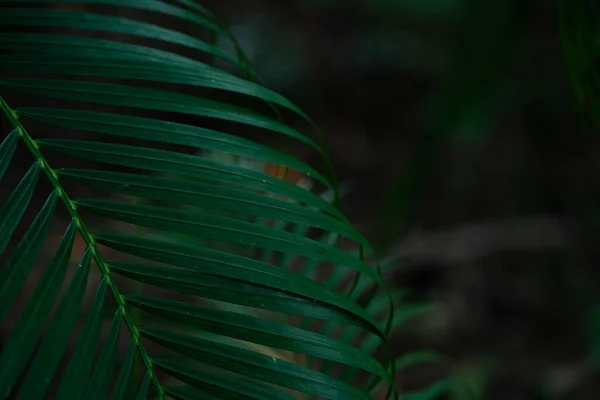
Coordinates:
256	295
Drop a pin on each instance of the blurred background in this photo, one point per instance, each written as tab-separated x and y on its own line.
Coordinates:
454	129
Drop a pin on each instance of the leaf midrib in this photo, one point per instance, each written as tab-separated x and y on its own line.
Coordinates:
52	176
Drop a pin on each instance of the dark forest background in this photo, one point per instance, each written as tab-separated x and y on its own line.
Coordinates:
455	131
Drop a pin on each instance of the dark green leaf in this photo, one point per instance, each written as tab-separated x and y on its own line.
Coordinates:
403	314
120	389
12	211
165	132
212	197
76	375
123	67
7	149
212	261
84	46
186	165
218	263
151	99
57	336
260	331
189	393
220	385
24	336
223	229
194	269
254	365
16	269
151	5
310	268
232	291
100	380
143	390
48	17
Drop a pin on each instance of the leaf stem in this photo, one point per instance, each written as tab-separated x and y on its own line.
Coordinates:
87	237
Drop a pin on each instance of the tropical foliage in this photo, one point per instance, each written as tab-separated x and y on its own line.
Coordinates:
192	261
218	279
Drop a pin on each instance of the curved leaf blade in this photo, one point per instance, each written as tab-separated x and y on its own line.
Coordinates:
254	365
7	149
57	336
165	132
67	45
25	335
143	390
99	382
218	263
127	67
12	211
255	330
189	393
209	196
152	5
219	269
48	17
223	229
77	373
123	381
150	99
220	385
16	269
185	165
233	291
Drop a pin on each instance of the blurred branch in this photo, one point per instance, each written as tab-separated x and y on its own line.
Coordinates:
471	242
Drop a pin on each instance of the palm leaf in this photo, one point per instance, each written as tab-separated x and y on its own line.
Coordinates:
204	334
378	305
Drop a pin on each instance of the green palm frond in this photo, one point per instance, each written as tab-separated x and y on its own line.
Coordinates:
81	84
393	316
